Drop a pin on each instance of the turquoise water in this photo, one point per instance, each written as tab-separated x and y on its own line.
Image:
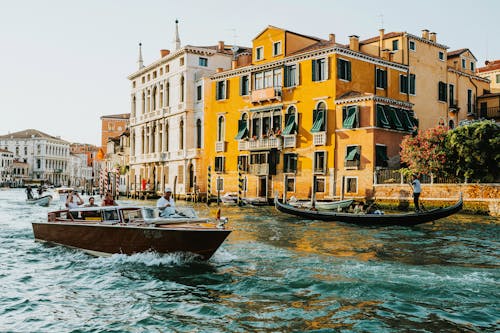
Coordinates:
273	274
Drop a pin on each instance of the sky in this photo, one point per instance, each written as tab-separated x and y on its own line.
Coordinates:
64	63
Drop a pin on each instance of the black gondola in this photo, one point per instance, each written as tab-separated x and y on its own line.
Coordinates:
407	219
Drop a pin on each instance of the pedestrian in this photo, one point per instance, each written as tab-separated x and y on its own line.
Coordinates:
417	188
166	203
73	200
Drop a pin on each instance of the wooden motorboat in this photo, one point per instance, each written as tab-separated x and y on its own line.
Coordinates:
322	205
43	201
103	231
407	219
229	198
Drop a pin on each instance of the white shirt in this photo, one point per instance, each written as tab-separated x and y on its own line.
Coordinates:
162	204
416	186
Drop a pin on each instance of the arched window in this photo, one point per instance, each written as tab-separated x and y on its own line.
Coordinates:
166	136
319	117
220	129
161	96
155	91
167	91
148	101
181	134
451	124
134	105
143	109
182	89
198	133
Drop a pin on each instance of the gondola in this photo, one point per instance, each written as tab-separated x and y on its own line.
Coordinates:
407	219
43	201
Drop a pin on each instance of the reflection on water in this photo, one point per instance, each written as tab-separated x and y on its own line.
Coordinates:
273	274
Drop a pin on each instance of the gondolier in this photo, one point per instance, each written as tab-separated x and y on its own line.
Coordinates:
417	188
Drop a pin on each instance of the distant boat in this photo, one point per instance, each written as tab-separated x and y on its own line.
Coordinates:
229	198
322	205
103	231
408	219
255	201
43	201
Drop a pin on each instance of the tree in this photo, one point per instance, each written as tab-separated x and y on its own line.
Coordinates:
425	152
475	151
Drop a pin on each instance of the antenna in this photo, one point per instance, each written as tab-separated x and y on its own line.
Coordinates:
381	20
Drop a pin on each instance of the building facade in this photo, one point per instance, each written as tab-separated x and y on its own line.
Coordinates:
166	122
112	126
6	160
46	156
491	71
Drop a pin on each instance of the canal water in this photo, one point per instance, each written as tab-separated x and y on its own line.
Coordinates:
273	274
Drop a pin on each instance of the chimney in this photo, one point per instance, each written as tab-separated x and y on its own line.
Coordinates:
219	69
433	37
425	34
234	64
385	54
220	46
354	43
164	53
331	38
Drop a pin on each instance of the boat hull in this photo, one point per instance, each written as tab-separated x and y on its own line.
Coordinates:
408	219
324	205
104	240
41	201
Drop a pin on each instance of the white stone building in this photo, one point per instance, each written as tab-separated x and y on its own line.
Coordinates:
6	160
80	173
166	121
47	156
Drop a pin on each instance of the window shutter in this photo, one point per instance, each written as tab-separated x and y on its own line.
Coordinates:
314	69
327	68
241	85
286	76
384	79
348	70
226	85
324	161
339	69
297	74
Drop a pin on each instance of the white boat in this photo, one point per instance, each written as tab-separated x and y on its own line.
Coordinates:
229	198
321	205
256	201
43	201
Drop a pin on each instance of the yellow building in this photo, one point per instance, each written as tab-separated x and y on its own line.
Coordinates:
305	113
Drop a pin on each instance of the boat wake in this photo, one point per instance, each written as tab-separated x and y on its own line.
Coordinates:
150	259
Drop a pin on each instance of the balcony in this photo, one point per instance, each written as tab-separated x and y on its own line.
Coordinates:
490	113
289	141
266	94
351	165
259	169
220	146
319	138
453	105
260	144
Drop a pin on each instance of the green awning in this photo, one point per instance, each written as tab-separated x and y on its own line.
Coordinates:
351	156
242	130
381	152
290	125
396	122
318	123
407	123
382	118
351	117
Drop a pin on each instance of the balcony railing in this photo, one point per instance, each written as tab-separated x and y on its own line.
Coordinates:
266	94
319	139
259	169
220	146
490	113
351	164
453	104
289	141
258	144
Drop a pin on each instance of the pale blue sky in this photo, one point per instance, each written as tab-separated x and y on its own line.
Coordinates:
64	63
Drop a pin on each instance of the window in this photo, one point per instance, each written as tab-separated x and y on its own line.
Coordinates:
319	186
181	62
198	133
319	118
497	79
441	55
403	84
154	75
220	129
181	134
259	81
242	128
25	150
167	92
290	163
243	162
469	101
464	66
472	66
381	78
442	91
451	95
221	91
290	123
412	84
167	68
220	184
351	185
198	93
219	163
182	89
412	45
291	75
350	116
259	53
203	62
244	87
319	69
381	156
320	162
276	48
290	184
344	69
395	45
353	155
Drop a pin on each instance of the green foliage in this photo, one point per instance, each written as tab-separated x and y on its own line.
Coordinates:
475	151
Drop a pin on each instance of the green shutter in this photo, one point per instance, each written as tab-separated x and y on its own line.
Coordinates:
286	76
352	154
351	117
348	67
242	130
290	125
407	123
381	152
314	76
318	123
382	120
339	68
396	122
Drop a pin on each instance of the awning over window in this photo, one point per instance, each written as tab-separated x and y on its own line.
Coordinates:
382	120
381	152
407	123
290	125
242	130
318	123
396	122
352	155
350	119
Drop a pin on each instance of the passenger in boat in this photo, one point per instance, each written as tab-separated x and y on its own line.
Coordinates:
166	203
359	208
74	200
29	192
415	184
108	200
40	191
91	202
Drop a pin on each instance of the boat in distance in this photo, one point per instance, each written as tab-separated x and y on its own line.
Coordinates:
103	231
405	219
43	201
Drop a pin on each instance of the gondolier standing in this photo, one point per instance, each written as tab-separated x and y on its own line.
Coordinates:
415	184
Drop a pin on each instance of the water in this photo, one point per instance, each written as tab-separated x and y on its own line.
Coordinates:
273	274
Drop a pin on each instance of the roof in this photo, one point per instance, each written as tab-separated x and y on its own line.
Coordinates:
286	31
319	45
489	95
490	66
117	116
28	134
456	53
386	36
4	151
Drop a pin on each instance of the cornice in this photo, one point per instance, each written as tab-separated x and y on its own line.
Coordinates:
470	76
374	98
423	40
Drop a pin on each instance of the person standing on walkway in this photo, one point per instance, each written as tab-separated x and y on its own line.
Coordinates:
417	188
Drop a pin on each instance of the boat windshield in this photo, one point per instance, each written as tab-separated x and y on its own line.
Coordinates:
132	214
